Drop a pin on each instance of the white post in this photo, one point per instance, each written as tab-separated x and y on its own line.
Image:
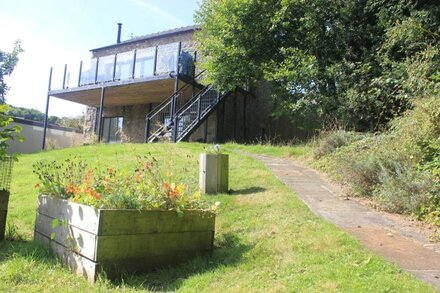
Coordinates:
214	173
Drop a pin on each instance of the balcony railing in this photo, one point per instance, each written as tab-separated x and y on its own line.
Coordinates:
136	64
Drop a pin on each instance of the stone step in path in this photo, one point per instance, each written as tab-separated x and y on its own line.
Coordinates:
395	241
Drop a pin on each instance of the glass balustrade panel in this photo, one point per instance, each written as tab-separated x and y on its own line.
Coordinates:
167	58
124	66
144	63
105	68
72	75
88	72
57	78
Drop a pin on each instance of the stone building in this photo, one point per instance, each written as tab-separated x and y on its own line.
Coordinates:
149	88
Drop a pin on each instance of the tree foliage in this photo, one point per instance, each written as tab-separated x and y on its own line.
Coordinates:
7	133
8	61
327	60
36	115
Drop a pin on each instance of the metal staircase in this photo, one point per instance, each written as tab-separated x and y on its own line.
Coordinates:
190	116
159	120
181	113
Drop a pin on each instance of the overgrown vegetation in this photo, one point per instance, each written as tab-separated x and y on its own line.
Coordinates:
400	167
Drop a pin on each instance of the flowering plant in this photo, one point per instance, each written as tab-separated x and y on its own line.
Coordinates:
145	187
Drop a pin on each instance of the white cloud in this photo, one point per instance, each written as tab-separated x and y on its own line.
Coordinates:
159	12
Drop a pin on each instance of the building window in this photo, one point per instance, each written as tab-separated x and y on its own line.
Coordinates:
112	129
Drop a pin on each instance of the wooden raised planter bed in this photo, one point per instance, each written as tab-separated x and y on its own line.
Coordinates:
4	199
116	242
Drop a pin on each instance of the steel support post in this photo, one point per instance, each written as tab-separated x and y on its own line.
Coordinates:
43	144
101	111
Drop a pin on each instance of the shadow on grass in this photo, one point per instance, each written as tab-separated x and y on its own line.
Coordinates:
26	249
247	191
228	251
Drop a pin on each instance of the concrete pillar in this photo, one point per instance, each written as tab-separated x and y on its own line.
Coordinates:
214	173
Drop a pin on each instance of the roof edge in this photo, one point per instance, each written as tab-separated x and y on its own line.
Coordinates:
162	34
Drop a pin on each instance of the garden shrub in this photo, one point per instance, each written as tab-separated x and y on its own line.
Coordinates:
329	141
403	189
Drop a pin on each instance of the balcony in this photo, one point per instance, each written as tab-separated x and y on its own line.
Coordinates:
134	77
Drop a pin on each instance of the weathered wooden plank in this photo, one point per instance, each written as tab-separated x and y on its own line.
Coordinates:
69	236
3	215
117	222
208	173
223	173
153	247
80	216
75	262
4	199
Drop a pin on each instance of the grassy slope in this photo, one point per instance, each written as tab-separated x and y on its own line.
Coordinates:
266	238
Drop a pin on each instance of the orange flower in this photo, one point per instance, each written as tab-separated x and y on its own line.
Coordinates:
37	185
166	185
70	188
174	193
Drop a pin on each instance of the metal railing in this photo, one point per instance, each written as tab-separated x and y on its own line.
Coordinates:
139	63
188	117
6	164
159	119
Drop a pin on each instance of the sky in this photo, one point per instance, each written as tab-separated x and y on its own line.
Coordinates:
56	32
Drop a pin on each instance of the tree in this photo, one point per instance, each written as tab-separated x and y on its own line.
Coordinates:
8	61
327	60
7	65
36	115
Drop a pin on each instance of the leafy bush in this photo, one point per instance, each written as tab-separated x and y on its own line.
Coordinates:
403	189
7	133
145	187
328	142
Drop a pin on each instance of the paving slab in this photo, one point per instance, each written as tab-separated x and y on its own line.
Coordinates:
402	244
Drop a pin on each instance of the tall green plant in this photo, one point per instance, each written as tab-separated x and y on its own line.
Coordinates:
7	133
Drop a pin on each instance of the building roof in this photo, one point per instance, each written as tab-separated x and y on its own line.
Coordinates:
166	33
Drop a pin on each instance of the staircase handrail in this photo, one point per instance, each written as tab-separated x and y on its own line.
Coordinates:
167	100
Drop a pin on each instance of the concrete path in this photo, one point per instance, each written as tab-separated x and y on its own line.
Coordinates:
396	241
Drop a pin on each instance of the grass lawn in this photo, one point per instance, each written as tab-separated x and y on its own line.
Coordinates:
266	238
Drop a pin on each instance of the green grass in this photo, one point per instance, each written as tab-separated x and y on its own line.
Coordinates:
281	151
266	238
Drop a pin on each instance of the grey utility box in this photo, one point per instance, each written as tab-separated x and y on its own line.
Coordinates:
214	173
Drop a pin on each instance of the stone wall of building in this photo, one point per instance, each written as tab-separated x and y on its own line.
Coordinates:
186	38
